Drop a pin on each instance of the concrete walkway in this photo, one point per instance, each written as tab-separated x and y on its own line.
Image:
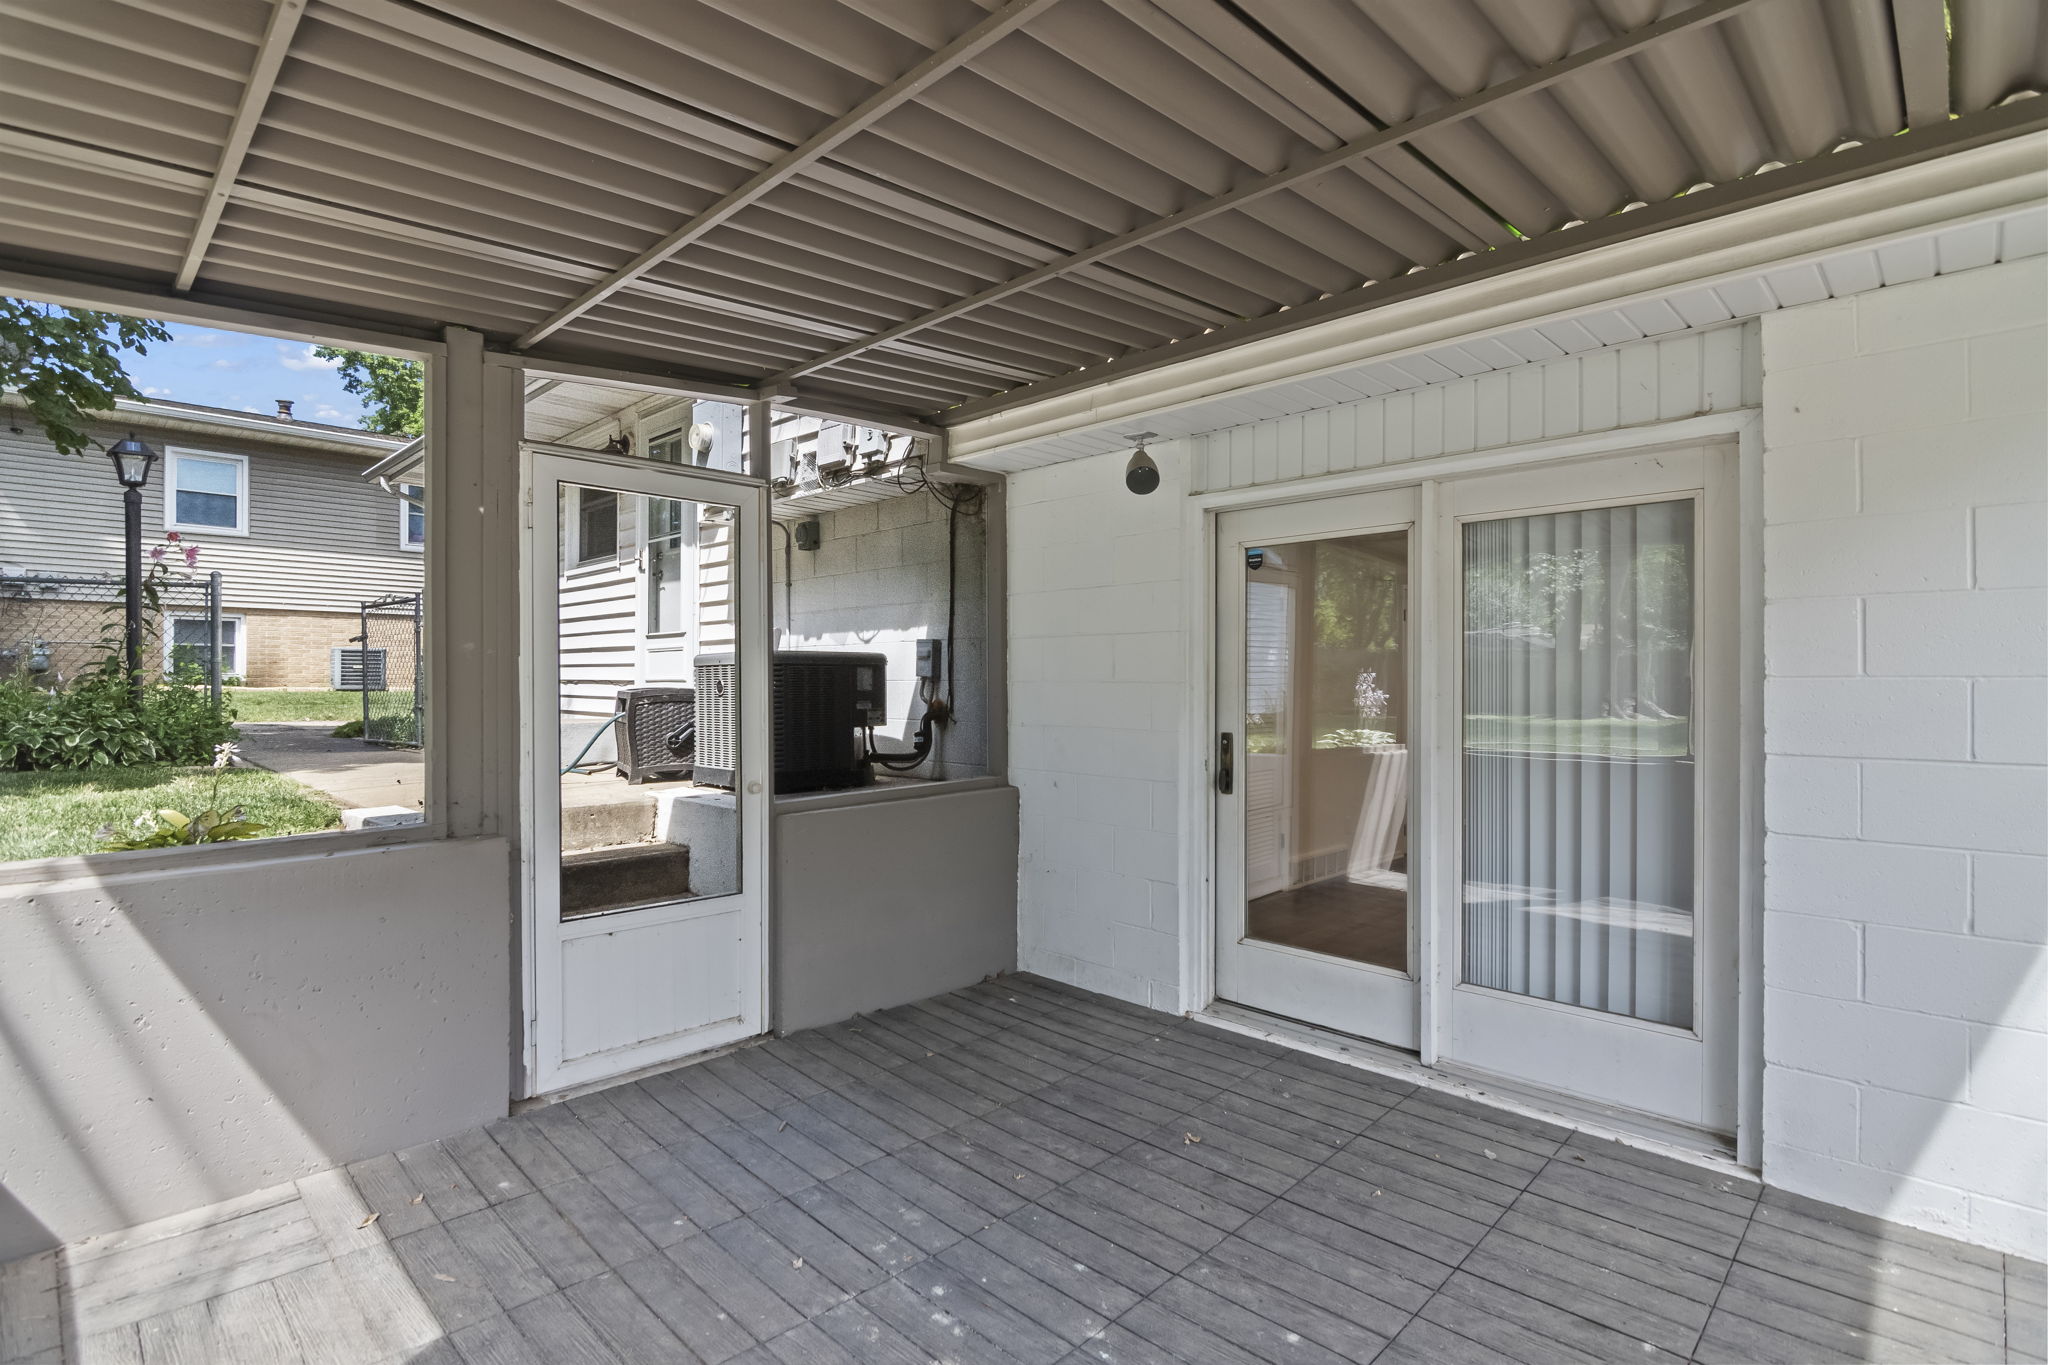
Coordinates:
1019	1173
352	772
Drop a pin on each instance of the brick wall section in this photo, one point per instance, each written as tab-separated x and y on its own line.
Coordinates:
292	649
1906	510
280	649
1097	684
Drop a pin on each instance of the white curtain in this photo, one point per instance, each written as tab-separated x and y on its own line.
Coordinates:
1579	769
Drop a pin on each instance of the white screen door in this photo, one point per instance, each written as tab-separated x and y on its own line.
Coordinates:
647	805
1588	886
1315	684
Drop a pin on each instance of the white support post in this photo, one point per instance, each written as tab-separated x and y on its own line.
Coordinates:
760	421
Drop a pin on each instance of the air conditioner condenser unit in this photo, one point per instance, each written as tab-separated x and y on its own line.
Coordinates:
824	703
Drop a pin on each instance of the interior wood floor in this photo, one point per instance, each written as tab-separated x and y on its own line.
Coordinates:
1018	1174
1337	917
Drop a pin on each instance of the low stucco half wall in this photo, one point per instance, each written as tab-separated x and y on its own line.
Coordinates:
178	1037
882	903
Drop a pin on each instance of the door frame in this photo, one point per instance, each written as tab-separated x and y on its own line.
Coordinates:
1199	547
539	840
1387	1000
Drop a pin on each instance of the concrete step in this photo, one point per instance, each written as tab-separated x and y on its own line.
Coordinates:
590	825
610	878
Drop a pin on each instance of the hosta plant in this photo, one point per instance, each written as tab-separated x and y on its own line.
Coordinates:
173	829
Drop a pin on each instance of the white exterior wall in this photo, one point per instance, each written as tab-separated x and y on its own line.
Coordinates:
1098	678
1602	389
321	537
877	584
1906	551
1906	508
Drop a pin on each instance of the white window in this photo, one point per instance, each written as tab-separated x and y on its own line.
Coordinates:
206	493
412	517
597	526
188	644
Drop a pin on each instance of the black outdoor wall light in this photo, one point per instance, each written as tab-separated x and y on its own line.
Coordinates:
1141	475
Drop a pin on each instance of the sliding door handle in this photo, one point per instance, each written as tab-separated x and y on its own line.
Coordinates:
1226	763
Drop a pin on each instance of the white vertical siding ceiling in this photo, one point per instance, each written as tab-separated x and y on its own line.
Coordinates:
940	207
1649	380
1707	308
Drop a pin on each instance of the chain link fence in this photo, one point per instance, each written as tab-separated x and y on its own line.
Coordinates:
54	628
388	665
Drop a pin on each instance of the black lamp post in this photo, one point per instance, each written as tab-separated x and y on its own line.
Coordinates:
132	460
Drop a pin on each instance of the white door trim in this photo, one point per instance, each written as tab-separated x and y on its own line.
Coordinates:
1198	918
1365	999
544	1072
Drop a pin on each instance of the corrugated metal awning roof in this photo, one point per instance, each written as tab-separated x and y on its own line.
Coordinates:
923	205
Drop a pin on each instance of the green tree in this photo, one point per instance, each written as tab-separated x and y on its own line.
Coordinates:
391	388
66	363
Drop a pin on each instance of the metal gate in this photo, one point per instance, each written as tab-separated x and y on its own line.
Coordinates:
388	665
54	627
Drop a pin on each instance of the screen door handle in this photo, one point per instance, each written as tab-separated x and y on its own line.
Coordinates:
1226	762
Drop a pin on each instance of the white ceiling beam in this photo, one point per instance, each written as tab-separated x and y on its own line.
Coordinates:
855	121
270	54
1393	135
1920	31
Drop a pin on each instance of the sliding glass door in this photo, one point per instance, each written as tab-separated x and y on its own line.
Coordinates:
1587	869
1317	685
1492	821
1580	777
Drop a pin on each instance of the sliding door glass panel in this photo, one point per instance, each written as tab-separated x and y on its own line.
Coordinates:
647	701
1579	773
1326	747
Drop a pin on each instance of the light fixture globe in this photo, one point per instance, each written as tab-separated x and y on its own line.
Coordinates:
1141	475
132	459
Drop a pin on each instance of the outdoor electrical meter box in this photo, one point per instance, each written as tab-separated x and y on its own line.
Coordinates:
931	658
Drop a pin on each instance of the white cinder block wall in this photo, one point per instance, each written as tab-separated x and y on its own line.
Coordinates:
1906	508
1906	1024
1098	671
877	584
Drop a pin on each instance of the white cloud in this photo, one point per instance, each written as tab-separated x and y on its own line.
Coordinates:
323	413
153	391
302	358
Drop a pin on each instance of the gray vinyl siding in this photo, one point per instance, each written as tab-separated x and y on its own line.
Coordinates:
321	537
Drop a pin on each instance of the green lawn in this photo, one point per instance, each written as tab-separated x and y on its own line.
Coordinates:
279	703
54	814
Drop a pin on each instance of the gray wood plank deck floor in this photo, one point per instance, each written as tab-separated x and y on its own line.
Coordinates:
1018	1174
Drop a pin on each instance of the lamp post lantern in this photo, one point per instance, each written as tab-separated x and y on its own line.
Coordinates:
132	460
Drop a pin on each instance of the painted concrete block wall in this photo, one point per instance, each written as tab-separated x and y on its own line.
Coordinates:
1098	677
877	583
885	902
175	1038
1906	506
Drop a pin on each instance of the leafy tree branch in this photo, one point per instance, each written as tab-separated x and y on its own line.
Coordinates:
66	363
391	388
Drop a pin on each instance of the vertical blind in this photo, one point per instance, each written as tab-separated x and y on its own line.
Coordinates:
1580	779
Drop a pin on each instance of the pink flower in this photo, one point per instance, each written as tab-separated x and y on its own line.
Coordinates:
191	555
157	554
170	535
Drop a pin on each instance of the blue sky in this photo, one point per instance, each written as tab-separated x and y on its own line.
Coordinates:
244	372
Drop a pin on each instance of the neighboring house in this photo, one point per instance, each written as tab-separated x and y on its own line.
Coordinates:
276	505
639	602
